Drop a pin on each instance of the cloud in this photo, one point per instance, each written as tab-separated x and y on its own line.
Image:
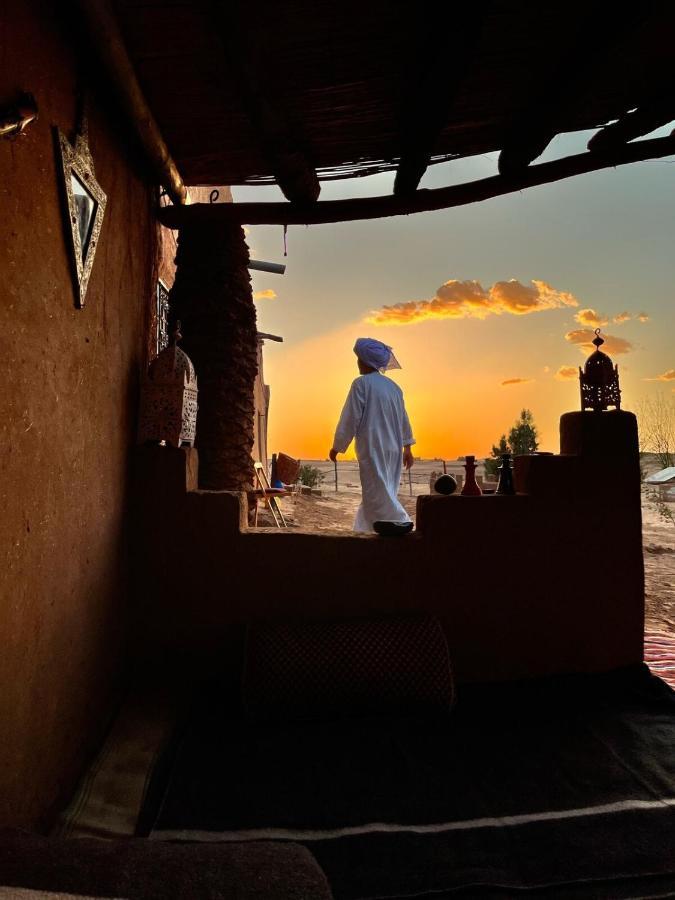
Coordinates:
470	300
668	375
567	373
516	381
590	318
626	317
584	337
267	294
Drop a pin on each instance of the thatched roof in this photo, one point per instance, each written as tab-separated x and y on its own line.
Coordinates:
292	90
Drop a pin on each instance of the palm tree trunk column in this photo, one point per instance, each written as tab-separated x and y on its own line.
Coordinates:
212	298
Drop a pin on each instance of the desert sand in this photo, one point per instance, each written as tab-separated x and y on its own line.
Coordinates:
332	510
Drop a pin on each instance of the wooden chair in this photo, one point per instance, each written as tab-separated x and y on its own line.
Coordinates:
269	496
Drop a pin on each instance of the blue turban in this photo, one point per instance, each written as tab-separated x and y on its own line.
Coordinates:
375	354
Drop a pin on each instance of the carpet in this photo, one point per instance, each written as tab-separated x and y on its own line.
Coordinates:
564	785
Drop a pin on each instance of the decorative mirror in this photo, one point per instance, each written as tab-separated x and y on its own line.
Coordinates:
85	205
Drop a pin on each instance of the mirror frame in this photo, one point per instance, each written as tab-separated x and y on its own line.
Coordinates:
76	160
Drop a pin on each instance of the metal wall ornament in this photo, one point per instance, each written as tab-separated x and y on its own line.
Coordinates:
84	205
169	398
16	117
162	317
599	380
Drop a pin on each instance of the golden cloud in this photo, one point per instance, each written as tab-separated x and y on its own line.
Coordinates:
267	294
567	373
590	318
626	317
669	375
470	300
584	337
516	381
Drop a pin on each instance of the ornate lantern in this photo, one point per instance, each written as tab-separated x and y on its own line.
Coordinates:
599	380
169	398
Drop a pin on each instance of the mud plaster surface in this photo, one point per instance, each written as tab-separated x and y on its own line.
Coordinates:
335	511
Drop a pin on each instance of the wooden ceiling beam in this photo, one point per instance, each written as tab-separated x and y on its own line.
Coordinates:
421	201
537	123
110	52
446	38
645	119
242	37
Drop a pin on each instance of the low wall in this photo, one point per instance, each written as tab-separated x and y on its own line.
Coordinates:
538	583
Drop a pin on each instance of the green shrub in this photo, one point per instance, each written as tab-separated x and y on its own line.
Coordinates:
310	476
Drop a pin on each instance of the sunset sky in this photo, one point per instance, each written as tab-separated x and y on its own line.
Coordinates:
488	307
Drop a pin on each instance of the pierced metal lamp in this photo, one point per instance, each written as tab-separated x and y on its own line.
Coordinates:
169	398
599	380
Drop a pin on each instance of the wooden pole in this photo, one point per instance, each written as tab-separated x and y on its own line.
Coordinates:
421	201
109	51
336	479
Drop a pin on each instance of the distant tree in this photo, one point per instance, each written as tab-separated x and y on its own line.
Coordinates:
656	429
523	438
491	463
656	420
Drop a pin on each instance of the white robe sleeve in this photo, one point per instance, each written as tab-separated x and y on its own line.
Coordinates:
407	437
351	416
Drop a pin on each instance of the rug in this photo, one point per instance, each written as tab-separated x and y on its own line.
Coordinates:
660	655
564	784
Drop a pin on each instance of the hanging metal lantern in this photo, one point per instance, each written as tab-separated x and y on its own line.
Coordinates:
169	398
599	380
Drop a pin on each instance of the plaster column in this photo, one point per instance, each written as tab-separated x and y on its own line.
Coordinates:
607	443
212	298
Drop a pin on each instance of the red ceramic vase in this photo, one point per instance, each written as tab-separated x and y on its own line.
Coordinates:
471	488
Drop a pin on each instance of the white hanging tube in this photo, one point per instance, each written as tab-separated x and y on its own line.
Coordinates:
261	266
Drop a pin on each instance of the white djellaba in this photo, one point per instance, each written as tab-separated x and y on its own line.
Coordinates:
374	415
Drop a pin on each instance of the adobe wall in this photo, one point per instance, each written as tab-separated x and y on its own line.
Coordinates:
67	415
165	258
547	581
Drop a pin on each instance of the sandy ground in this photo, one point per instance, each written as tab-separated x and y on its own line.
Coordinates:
333	511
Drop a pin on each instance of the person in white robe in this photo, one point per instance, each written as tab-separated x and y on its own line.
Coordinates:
374	415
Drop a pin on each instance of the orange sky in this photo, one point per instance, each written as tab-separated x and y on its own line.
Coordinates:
452	387
489	307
